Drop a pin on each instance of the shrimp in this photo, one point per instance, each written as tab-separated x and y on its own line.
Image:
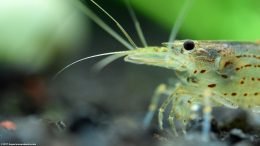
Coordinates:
223	73
227	72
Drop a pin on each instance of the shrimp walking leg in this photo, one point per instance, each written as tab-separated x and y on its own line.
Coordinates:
162	110
171	119
161	89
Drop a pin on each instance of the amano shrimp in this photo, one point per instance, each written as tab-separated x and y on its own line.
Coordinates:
227	73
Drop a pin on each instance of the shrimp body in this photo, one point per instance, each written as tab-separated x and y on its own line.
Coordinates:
229	72
228	69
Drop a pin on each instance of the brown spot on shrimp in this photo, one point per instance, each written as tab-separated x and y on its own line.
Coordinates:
203	71
212	85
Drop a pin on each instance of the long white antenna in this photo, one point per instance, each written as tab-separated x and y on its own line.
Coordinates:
101	23
86	58
117	23
137	24
179	22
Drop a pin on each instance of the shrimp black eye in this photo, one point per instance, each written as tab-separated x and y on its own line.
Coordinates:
189	45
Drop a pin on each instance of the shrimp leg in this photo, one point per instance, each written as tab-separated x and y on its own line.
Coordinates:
160	90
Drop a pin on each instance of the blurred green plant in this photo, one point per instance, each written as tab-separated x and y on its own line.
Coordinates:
207	19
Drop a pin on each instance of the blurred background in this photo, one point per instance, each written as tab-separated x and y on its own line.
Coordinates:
38	38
